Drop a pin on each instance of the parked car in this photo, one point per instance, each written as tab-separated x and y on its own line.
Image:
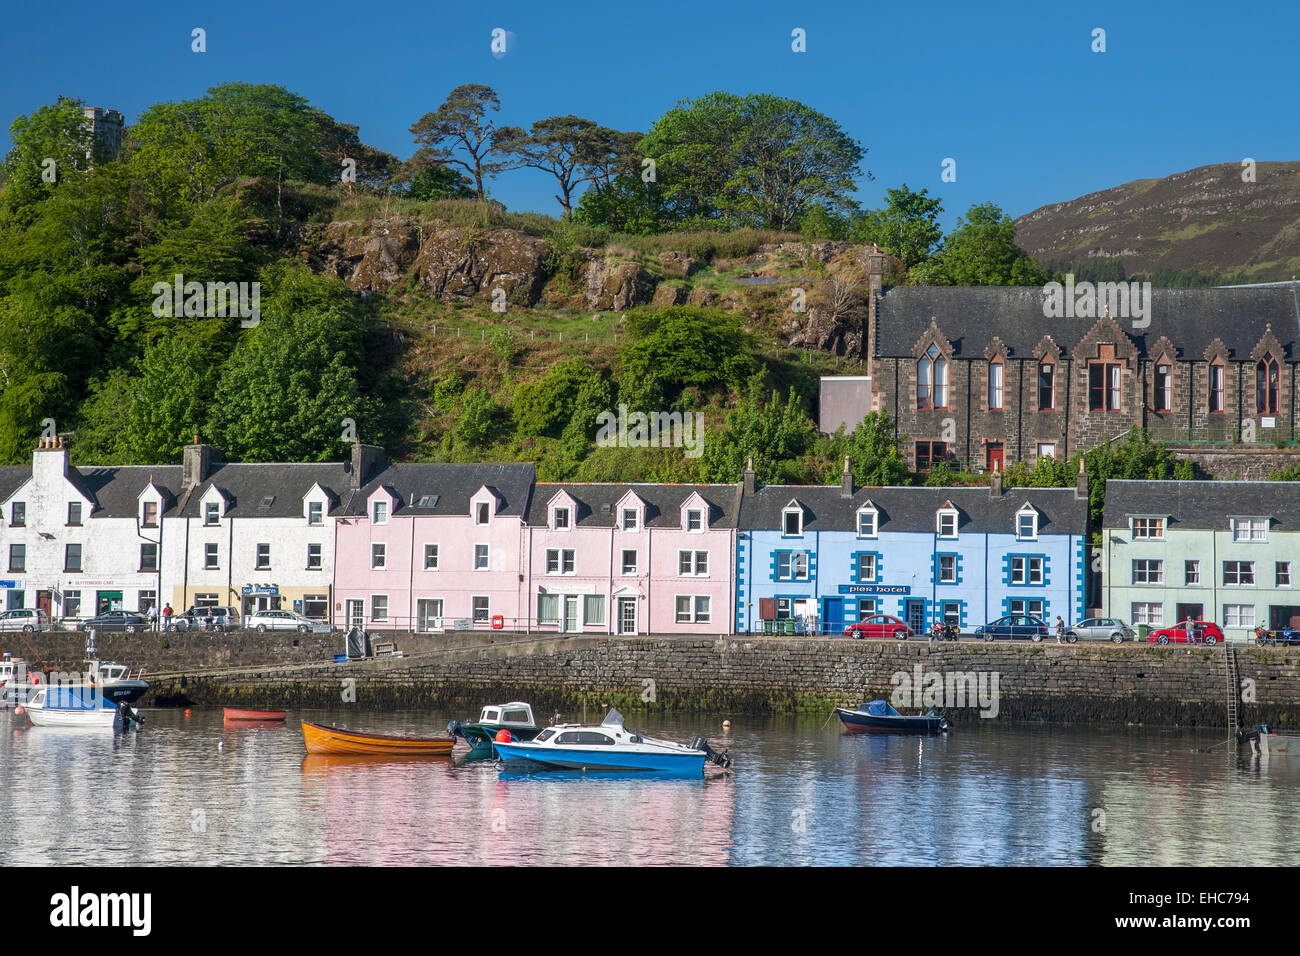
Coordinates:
881	627
209	619
1101	629
1203	632
24	619
127	621
1017	627
263	621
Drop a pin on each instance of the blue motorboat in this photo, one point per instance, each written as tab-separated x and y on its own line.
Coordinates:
878	717
609	747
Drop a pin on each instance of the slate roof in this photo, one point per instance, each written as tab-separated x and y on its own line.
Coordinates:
914	508
663	503
1203	505
246	484
11	476
1191	318
454	484
116	489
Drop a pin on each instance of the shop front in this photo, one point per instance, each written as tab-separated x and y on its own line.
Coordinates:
14	594
260	597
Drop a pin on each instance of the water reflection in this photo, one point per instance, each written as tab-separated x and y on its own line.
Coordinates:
195	790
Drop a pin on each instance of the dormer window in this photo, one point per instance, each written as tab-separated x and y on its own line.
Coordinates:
149	514
1249	529
946	525
1026	523
867	520
1147	529
315	512
211	512
628	520
379	512
792	522
694	519
560	519
482	512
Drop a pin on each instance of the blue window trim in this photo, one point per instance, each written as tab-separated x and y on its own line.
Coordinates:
853	570
957	569
1006	570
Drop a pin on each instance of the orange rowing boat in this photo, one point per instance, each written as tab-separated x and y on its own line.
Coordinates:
335	740
233	714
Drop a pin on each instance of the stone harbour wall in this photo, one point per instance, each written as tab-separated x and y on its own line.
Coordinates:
1080	683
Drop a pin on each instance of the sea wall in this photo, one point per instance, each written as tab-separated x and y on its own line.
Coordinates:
1080	683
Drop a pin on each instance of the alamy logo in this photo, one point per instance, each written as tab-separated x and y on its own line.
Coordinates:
213	300
103	909
653	430
1086	300
952	689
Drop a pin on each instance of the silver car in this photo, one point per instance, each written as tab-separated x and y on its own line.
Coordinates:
24	619
263	621
1101	629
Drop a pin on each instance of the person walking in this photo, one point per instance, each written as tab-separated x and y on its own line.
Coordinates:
167	616
152	616
1060	630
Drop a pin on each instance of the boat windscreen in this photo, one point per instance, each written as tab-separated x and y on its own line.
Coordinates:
612	719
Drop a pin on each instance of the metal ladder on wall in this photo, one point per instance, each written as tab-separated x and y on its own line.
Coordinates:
1234	688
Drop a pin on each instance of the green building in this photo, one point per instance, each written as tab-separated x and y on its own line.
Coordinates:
1222	551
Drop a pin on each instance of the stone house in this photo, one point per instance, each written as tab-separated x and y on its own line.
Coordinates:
980	377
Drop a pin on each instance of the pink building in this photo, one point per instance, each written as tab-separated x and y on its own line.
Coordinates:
431	547
630	558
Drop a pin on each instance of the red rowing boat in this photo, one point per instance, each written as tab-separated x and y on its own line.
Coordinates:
232	713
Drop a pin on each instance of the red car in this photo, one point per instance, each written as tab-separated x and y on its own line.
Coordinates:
1203	632
881	627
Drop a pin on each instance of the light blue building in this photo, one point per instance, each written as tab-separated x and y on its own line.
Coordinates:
829	556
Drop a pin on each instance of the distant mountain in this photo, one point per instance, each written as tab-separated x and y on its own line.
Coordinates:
1205	224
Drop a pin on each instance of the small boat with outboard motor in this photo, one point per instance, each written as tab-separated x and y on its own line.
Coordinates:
514	720
608	747
77	705
1269	743
116	682
878	717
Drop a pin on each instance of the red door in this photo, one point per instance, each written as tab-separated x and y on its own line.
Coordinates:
993	455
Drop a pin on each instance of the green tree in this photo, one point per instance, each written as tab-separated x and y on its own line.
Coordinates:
461	124
872	450
58	132
773	433
680	346
433	180
758	160
982	250
572	149
907	227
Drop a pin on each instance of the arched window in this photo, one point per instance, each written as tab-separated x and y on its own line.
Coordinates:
1266	385
932	379
1216	387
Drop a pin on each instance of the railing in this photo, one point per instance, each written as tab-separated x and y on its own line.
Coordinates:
1248	435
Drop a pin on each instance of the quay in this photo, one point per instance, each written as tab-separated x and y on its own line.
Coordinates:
1103	683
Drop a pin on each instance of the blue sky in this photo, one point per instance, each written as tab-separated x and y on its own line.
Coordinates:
1011	90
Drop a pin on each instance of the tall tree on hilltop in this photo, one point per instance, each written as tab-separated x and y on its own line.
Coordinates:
982	250
758	160
58	132
461	123
572	149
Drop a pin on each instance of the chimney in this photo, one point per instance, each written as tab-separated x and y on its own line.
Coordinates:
876	261
367	461
1081	482
50	461
846	480
196	465
995	482
749	476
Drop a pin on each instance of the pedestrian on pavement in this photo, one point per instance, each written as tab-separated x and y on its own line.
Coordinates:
152	615
1060	630
167	616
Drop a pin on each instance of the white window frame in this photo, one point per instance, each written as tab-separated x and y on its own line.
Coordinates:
940	515
942	579
427	565
558	524
1151	613
1152	571
690	567
1140	527
1242	570
473	608
874	516
315	512
797	514
211	556
623	516
1192	572
379	512
378	559
375	614
1235	615
871	578
1032	514
1282	574
695	520
636	561
1253	534
480	516
320	557
211	513
487	556
258	563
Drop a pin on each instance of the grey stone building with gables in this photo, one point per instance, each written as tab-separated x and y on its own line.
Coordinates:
980	377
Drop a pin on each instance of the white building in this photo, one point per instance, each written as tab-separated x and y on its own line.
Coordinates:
76	542
253	536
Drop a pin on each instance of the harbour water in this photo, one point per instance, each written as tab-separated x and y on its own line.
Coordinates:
191	790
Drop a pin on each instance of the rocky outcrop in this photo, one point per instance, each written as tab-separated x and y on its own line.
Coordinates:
818	329
678	265
372	256
459	264
669	293
616	285
822	251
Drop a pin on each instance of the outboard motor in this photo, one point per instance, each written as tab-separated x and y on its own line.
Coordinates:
455	729
699	743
